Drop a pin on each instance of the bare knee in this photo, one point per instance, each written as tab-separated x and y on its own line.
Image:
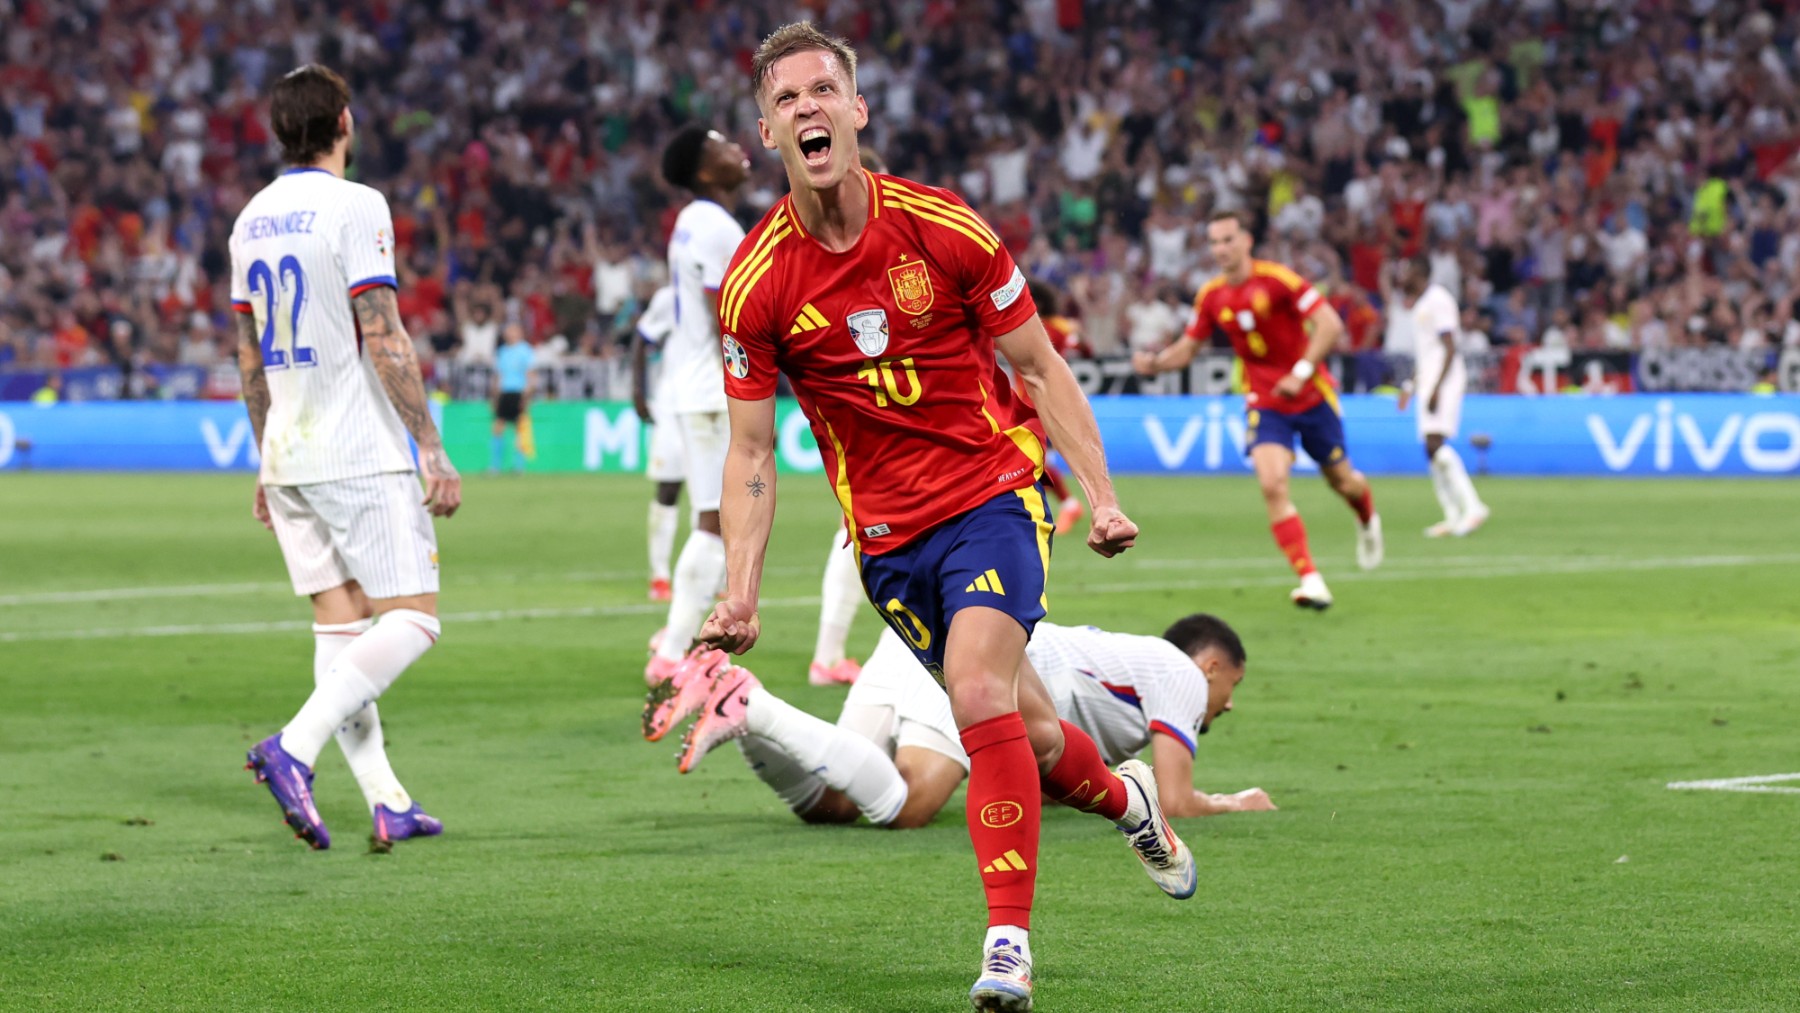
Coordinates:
977	697
1046	741
708	521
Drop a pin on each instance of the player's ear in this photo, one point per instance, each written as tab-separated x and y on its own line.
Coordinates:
862	112
762	131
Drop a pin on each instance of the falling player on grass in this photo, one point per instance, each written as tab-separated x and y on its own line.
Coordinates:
702	162
1263	308
1439	382
893	756
934	461
333	390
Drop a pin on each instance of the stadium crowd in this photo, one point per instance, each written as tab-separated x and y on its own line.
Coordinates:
1585	173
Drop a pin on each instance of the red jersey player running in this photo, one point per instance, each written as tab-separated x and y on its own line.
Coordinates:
883	301
1263	308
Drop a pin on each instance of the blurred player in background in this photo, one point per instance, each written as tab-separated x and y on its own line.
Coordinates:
704	163
1439	381
512	392
883	300
333	390
1065	336
665	467
1263	308
893	755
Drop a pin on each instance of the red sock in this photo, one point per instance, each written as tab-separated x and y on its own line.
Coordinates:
1057	483
1004	810
1365	505
1081	779
1291	536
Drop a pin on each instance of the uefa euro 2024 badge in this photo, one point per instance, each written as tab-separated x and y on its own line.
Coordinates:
869	328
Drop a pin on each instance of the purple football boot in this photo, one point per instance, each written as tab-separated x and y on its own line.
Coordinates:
391	826
290	781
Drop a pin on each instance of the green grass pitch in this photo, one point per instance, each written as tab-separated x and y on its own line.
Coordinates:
1470	752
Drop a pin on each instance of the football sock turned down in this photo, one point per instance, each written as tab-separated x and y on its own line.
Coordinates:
839	596
839	757
1290	534
1364	505
1004	811
357	677
782	773
663	521
1440	484
1081	780
1457	477
360	735
699	576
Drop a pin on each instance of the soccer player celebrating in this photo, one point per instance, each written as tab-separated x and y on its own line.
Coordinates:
893	756
1439	381
1263	307
666	466
333	390
713	169
883	300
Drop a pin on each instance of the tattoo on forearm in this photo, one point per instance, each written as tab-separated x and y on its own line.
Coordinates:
396	364
255	381
756	486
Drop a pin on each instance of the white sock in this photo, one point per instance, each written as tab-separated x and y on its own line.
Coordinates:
663	522
795	784
360	735
1440	484
841	758
1011	933
699	576
839	595
358	676
1458	477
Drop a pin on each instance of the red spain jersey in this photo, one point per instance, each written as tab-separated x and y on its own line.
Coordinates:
889	347
1265	318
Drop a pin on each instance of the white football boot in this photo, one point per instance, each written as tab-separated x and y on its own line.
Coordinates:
1168	861
1312	593
1005	982
1369	548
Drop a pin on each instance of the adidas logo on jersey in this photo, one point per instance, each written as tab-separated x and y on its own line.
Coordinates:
1009	862
809	319
989	582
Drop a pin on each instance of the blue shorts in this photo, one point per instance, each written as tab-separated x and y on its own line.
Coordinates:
1320	429
996	555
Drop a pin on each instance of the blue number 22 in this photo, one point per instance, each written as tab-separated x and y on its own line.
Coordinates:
263	281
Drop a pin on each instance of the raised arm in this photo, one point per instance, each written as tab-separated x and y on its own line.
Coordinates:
390	351
1070	423
746	515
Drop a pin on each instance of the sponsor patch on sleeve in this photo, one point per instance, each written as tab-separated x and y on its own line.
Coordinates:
1008	293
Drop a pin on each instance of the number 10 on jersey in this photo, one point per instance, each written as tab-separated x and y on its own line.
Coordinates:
281	330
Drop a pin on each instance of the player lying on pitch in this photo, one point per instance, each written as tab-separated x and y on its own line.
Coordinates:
893	755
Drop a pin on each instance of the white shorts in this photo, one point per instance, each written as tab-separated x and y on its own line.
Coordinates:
373	530
895	703
704	438
1448	417
667	462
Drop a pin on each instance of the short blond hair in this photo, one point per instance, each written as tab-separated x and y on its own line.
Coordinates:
797	37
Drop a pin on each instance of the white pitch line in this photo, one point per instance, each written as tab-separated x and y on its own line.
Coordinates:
1759	783
282	625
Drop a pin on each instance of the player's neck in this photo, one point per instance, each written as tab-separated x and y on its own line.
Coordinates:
722	196
1239	276
333	162
835	218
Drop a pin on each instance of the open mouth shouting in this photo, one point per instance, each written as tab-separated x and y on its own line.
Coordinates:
815	146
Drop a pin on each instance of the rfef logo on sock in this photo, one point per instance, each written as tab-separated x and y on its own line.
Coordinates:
1001	814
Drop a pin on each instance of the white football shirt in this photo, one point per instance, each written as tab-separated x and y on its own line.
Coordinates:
705	238
301	249
1435	314
655	325
1120	687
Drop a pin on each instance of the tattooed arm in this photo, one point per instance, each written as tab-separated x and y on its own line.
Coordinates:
256	400
390	351
746	515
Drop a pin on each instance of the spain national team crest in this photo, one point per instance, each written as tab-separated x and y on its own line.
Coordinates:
912	287
737	361
1259	302
869	328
